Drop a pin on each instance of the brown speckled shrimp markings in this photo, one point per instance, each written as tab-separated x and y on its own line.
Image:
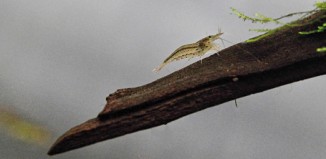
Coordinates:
191	50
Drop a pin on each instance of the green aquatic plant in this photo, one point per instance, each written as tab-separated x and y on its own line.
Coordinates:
319	29
259	18
321	49
321	5
261	30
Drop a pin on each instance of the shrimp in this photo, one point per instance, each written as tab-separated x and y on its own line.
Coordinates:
192	50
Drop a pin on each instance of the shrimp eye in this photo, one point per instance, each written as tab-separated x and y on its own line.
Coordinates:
209	36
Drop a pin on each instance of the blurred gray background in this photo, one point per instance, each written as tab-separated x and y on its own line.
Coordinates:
60	59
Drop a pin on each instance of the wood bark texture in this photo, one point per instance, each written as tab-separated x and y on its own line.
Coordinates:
284	57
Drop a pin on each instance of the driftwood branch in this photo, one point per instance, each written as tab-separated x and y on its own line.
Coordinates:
285	57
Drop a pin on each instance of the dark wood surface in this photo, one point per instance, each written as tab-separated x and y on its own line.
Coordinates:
284	57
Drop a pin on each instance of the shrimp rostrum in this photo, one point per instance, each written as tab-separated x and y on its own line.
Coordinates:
192	50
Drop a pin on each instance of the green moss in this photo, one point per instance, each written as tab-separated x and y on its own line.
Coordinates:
320	29
268	33
259	18
322	49
255	39
261	30
321	5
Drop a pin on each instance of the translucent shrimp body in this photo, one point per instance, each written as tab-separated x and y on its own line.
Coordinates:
191	50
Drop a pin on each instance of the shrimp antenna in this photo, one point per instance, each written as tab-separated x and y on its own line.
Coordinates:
246	51
222	40
219	30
